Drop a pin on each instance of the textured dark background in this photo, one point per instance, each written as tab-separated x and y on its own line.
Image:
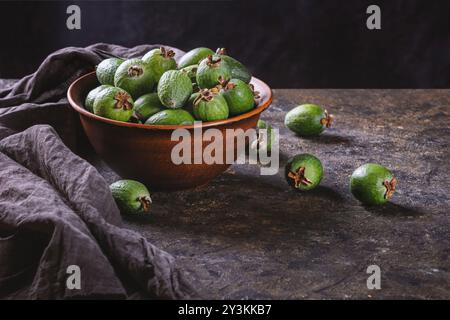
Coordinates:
303	43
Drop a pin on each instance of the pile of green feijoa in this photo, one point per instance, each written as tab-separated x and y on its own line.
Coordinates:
204	85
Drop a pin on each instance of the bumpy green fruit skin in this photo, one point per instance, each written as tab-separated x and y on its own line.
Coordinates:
191	72
305	120
238	70
367	183
107	69
313	171
147	105
239	96
194	57
158	63
171	117
174	89
209	71
107	100
90	98
213	110
132	197
135	77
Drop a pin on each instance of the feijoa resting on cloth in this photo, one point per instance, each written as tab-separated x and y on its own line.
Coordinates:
56	210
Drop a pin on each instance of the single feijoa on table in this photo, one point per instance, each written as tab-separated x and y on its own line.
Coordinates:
372	184
210	105
171	117
135	77
238	94
160	60
147	105
238	70
194	56
114	103
308	120
106	70
210	70
132	197
304	171
90	98
263	141
174	89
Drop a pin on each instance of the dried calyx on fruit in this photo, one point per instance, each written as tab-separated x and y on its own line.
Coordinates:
206	95
166	53
122	101
327	120
299	177
145	203
390	188
135	71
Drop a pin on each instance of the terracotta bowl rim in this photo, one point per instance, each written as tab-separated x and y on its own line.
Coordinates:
263	105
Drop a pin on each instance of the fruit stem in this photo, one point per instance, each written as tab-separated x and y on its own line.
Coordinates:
327	120
390	187
145	203
221	51
299	177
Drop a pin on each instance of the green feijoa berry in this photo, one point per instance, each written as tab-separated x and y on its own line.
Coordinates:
106	70
210	105
238	70
238	94
114	103
308	120
210	70
90	98
132	197
135	77
147	105
174	89
194	57
171	117
160	60
304	171
191	72
372	184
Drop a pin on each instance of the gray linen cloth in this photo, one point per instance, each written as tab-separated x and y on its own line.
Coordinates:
56	209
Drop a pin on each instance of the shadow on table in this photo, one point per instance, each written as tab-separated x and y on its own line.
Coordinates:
329	138
394	210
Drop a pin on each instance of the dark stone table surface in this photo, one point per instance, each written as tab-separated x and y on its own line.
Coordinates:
246	236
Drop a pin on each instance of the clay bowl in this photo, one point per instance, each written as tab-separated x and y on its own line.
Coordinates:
143	152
